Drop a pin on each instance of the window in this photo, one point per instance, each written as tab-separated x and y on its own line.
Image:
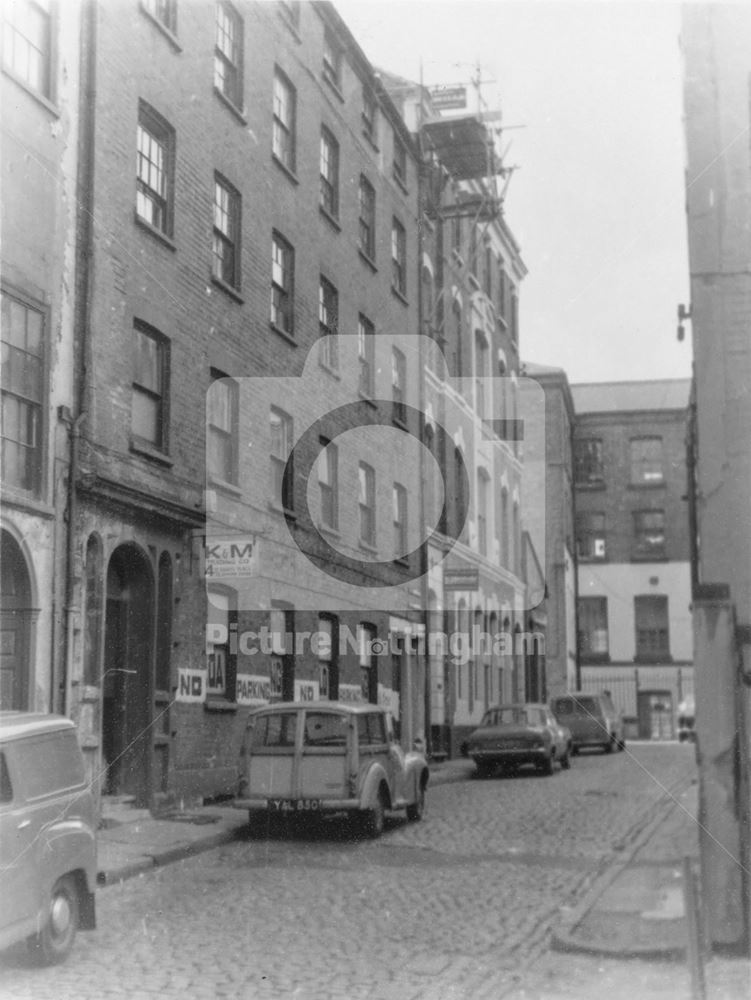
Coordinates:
646	460
228	53
27	43
369	116
154	169
502	293
398	257
227	226
473	249
22	387
150	373
458	336
398	385
399	501
590	535
221	661
651	621
282	284
367	218
282	490
328	322
282	663
514	317
332	59
400	161
481	373
221	416
366	355
326	661
292	9
328	483
163	11
366	499
483	485
456	233
649	534
588	463
366	641
488	274
593	627
329	173
283	134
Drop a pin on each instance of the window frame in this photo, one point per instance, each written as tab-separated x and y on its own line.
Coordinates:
366	239
366	504
651	628
43	87
369	116
365	356
640	465
329	488
643	548
283	294
589	468
162	135
282	493
284	121
399	386
229	85
159	395
328	324
231	240
399	162
598	623
227	436
398	257
329	173
400	519
332	60
591	528
164	12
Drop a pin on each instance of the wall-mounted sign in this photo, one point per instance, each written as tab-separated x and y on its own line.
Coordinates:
253	690
350	692
447	97
306	691
191	685
464	578
231	558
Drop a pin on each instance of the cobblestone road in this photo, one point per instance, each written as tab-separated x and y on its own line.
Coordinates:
454	907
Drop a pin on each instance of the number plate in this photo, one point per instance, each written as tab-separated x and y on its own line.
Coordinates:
294	805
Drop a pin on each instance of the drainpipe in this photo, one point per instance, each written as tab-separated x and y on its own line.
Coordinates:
81	324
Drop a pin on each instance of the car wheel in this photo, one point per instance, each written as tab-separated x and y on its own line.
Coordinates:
548	766
416	809
621	744
574	751
566	760
375	818
54	941
484	768
608	747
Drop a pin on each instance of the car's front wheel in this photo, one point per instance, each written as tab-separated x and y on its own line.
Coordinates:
548	766
55	939
417	808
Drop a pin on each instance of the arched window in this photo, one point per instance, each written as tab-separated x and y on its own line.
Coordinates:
92	630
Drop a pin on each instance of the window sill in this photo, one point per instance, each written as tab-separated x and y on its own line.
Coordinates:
231	106
600	485
229	488
285	512
291	27
327	529
401	561
653	658
367	547
227	288
331	219
367	398
457	257
371	141
283	334
474	282
401	184
399	295
594	657
168	34
649	557
156	233
287	171
648	486
147	450
219	704
401	424
14	497
333	85
330	371
46	103
368	260
591	559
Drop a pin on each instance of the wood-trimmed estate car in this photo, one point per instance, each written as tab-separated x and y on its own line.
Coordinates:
310	759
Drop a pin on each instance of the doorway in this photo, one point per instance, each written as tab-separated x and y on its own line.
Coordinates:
127	678
15	625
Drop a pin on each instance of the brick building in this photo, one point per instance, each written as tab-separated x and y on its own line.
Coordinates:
39	90
252	199
716	41
632	539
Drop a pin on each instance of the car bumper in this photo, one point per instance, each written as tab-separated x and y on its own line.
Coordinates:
322	806
526	755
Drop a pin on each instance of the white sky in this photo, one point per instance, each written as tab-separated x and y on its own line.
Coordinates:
597	203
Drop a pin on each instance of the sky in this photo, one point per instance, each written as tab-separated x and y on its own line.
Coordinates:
597	201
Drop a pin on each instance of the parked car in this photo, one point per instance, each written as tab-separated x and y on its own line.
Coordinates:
592	718
310	759
47	835
687	720
513	735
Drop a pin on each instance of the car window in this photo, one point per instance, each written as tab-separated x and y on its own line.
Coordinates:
6	789
581	707
511	715
371	728
51	763
277	730
325	729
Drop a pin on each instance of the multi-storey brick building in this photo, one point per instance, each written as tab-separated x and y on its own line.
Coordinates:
40	148
632	539
716	41
471	271
252	197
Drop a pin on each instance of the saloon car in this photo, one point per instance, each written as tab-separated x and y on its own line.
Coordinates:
313	759
48	861
512	735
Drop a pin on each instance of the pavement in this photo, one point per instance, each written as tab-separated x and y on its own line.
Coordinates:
635	909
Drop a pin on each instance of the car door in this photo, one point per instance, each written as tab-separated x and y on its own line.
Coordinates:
19	870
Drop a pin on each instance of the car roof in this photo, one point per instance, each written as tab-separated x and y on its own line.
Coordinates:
516	704
353	708
14	725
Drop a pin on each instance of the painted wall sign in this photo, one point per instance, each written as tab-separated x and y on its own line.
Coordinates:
191	685
307	691
389	699
232	558
253	689
443	98
350	692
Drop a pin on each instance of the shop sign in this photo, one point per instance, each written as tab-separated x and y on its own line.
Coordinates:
448	97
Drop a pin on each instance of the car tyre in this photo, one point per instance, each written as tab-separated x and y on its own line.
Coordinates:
566	760
484	768
375	818
55	939
416	809
548	766
610	745
621	744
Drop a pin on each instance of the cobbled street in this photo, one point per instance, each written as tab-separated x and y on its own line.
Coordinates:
457	906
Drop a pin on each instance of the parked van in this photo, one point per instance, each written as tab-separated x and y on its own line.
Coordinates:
592	719
47	835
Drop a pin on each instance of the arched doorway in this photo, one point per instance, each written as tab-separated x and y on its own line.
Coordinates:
127	678
15	625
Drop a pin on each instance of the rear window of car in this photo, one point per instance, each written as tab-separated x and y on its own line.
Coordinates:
513	716
583	706
277	730
325	729
371	729
48	764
